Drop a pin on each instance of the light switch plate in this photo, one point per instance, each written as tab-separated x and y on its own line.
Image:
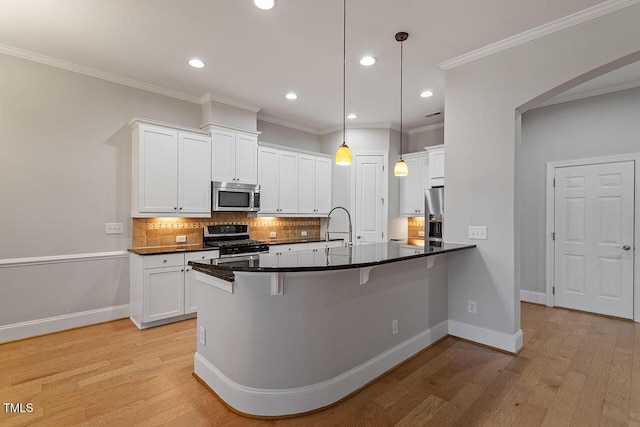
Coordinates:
420	233
113	228
272	234
181	239
478	232
303	233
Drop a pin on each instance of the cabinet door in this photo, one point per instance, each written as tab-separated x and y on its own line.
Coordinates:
410	185
436	164
322	183
223	155
246	159
163	293
158	163
288	182
306	184
194	177
424	183
268	180
190	291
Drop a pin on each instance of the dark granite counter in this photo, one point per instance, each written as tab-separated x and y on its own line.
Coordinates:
157	250
340	258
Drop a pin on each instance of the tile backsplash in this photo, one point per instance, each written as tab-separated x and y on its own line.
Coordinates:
163	231
414	225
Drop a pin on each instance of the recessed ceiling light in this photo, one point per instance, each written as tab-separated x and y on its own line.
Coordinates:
426	94
265	4
351	116
367	61
291	96
197	63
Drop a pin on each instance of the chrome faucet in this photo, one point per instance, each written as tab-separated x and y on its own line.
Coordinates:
350	232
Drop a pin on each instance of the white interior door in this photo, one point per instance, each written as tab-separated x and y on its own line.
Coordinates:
594	245
369	204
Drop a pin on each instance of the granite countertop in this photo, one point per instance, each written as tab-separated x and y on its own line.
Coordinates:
297	240
340	258
157	250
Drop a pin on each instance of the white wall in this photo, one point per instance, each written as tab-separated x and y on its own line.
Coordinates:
481	102
417	141
282	135
66	171
591	127
223	114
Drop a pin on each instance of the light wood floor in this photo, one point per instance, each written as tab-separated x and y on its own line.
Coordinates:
575	369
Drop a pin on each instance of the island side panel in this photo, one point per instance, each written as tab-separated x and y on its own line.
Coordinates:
324	324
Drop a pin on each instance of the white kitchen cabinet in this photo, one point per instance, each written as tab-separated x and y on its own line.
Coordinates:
436	166
408	250
162	287
294	183
413	185
171	171
234	155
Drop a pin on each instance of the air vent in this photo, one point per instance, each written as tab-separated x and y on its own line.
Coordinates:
437	113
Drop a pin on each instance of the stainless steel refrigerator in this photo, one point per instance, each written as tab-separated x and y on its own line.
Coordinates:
434	215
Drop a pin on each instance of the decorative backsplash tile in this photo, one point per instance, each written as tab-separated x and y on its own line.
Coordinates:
163	231
414	225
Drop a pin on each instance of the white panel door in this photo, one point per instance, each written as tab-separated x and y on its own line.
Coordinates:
194	174
158	170
246	159
410	189
306	184
268	180
369	207
594	224
287	182
223	155
323	184
163	290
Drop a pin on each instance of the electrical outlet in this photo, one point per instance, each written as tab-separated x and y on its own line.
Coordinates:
394	326
113	228
181	239
203	335
303	233
478	232
472	307
420	233
273	234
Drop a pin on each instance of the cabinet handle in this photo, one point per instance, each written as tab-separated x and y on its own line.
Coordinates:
175	209
180	208
164	260
182	270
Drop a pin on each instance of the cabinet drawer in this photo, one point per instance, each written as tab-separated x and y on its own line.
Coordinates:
280	249
197	256
329	244
166	260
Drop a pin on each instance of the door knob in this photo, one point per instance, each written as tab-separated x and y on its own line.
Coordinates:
626	248
357	237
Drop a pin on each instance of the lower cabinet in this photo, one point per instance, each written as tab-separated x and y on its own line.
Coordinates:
162	287
297	254
407	250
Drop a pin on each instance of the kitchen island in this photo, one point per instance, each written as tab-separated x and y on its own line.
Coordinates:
283	334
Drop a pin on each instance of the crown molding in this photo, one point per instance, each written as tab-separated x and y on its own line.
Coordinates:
228	101
360	126
426	128
137	121
538	32
287	124
587	94
92	72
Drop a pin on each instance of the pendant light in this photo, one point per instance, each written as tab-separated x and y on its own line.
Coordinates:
401	168
343	155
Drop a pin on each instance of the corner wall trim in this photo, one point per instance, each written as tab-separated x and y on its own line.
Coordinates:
491	338
48	325
272	402
538	32
533	297
57	259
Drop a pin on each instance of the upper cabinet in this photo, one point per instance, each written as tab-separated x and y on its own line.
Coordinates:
171	171
234	155
436	165
294	183
412	186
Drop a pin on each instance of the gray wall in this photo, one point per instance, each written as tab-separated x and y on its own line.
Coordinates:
591	127
66	171
417	141
277	134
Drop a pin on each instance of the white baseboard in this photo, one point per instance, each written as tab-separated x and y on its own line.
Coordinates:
273	402
33	328
489	337
534	297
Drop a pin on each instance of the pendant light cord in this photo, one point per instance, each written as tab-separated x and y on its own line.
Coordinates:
401	62
344	72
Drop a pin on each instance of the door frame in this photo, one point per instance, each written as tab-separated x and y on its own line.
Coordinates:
550	222
385	189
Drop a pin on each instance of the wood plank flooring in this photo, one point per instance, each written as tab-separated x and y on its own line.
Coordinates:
576	369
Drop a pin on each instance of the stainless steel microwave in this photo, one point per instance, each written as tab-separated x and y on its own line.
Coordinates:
234	197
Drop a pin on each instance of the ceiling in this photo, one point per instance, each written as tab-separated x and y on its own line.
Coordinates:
257	56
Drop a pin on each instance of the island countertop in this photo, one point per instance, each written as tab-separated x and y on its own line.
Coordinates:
339	258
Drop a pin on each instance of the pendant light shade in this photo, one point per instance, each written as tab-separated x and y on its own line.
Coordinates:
343	155
401	168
